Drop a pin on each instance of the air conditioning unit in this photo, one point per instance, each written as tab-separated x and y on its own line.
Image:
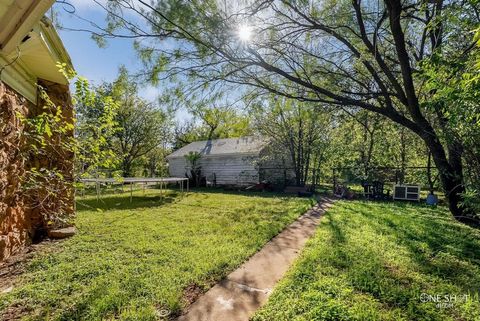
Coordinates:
406	192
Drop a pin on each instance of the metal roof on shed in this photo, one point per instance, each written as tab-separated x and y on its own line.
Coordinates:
225	146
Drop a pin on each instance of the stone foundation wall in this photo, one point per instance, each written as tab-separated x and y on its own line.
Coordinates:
21	219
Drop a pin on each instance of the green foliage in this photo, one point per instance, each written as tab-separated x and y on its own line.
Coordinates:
143	126
154	164
132	259
453	82
210	122
51	135
347	54
221	122
193	159
119	129
373	261
363	140
96	124
471	200
299	132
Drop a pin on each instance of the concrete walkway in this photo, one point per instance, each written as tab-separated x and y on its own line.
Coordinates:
238	296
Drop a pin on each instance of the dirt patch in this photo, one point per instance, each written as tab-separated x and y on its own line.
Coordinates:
191	293
14	313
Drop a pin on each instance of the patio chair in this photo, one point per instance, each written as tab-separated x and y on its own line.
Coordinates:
211	181
367	190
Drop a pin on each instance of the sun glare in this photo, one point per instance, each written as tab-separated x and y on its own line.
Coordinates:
245	33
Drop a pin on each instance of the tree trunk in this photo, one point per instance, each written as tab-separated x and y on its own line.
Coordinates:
429	173
126	168
450	170
453	187
403	155
451	176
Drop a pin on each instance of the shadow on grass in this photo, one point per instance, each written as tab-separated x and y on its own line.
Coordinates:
219	190
396	251
438	244
336	228
123	202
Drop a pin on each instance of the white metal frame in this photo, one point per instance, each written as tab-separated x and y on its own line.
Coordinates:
407	192
138	180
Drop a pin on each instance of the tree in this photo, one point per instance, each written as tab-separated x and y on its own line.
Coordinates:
454	83
95	128
363	127
48	183
341	53
298	128
221	122
142	126
142	129
371	147
211	123
154	162
193	161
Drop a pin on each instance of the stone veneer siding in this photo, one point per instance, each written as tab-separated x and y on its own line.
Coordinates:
21	220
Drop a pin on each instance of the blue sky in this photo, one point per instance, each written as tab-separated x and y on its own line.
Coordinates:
101	64
90	61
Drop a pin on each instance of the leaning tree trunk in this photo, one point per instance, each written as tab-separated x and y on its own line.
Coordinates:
451	175
450	169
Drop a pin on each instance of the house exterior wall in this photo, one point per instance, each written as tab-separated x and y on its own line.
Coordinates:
236	170
177	167
55	156
21	221
15	223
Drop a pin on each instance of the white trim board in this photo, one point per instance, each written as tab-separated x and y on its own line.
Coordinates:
18	78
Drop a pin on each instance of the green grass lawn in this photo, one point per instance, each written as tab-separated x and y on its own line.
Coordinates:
131	260
382	261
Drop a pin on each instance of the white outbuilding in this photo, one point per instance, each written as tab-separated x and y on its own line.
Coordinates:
235	161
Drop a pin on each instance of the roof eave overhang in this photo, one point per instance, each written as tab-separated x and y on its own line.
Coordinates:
19	79
21	17
45	45
54	45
